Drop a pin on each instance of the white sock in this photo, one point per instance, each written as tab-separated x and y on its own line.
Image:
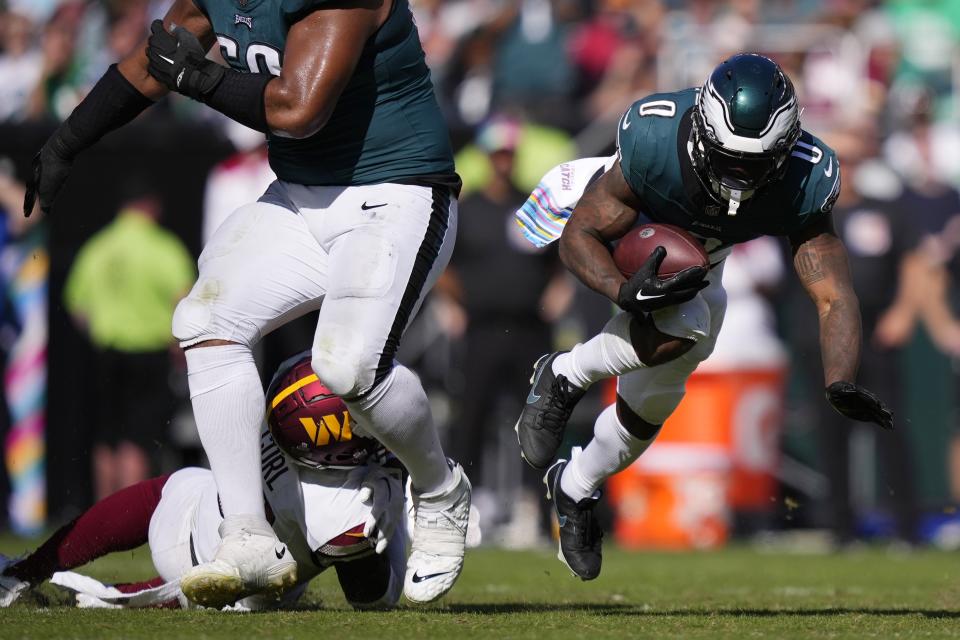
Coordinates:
228	404
610	353
612	450
397	413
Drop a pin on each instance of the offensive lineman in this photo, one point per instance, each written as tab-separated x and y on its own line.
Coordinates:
362	220
337	503
727	162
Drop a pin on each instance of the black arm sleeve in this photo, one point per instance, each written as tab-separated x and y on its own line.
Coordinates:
239	96
112	103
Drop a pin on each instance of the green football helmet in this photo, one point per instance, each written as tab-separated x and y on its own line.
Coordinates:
745	124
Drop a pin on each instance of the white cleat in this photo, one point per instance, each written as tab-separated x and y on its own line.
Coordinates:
10	587
440	524
250	560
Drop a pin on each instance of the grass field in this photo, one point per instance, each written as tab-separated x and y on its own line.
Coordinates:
737	593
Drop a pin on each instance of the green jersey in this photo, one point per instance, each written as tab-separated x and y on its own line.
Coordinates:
387	125
652	146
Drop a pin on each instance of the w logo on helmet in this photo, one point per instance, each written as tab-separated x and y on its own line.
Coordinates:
331	428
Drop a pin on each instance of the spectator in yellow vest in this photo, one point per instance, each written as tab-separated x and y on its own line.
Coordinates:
121	291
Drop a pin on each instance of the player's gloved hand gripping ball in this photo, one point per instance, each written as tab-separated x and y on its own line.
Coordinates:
179	62
645	291
857	403
382	492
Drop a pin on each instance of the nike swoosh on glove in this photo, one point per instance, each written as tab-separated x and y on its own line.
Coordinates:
645	292
857	403
179	62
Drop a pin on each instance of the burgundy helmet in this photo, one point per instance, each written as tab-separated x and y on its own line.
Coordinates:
311	424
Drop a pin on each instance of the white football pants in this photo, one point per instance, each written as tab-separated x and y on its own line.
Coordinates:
365	256
654	393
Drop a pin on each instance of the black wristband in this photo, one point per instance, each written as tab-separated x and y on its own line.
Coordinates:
112	103
239	96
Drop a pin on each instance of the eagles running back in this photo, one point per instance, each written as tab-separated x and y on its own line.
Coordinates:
727	162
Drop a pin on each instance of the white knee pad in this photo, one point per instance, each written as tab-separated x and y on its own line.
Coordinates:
191	320
690	320
200	317
342	360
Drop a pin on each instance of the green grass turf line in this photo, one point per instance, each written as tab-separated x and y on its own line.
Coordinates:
734	593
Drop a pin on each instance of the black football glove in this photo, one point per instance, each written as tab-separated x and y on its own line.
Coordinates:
49	171
645	292
178	61
857	403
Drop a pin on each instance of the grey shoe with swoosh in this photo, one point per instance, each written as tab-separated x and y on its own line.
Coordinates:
581	538
544	417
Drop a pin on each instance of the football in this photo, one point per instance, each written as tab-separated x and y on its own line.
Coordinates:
683	250
311	424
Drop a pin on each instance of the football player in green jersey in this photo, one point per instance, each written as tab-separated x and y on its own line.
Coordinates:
359	225
727	162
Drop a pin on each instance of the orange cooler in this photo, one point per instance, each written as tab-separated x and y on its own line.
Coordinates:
717	453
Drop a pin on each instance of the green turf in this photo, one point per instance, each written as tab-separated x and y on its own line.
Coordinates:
737	593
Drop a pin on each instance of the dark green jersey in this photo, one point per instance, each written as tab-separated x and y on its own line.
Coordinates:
652	147
386	126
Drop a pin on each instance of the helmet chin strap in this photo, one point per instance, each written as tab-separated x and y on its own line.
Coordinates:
734	197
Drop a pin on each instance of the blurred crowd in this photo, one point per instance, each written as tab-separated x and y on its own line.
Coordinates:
527	84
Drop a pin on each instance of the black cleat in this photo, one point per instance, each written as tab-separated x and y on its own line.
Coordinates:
544	417
581	538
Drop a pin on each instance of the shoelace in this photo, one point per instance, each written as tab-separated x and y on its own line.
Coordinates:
461	530
591	533
444	540
433	517
555	416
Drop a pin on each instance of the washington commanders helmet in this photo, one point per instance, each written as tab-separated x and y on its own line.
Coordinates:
745	124
311	424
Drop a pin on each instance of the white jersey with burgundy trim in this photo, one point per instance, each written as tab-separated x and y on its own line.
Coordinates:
317	513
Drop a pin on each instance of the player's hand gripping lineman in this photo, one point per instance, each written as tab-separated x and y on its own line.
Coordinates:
645	292
382	491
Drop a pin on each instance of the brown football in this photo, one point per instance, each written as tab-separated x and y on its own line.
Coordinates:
683	250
